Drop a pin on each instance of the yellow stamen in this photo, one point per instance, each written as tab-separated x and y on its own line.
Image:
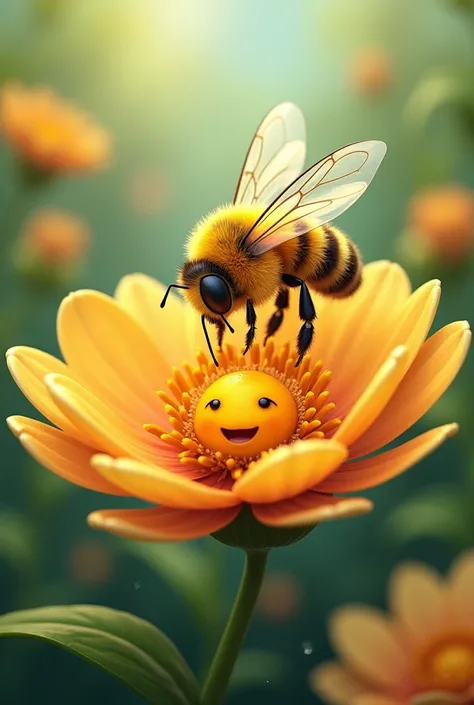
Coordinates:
447	664
167	399
171	441
154	429
321	400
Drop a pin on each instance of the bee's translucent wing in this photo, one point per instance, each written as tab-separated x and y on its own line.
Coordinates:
275	157
323	192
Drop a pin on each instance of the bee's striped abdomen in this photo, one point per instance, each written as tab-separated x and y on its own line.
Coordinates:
339	271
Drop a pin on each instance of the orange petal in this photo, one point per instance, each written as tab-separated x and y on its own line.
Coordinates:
375	699
141	296
374	398
440	697
417	597
159	486
367	642
108	431
28	368
409	329
161	523
112	355
310	508
61	454
289	470
433	370
335	684
364	320
370	472
461	580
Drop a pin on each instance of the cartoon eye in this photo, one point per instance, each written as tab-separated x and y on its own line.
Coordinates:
265	402
214	404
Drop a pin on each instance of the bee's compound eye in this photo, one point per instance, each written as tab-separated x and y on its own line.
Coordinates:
265	402
214	404
215	293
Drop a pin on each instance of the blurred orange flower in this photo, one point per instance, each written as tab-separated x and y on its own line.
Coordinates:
110	434
55	237
280	596
90	562
442	219
53	136
423	653
371	71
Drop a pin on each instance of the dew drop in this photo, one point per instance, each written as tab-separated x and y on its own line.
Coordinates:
137	585
307	648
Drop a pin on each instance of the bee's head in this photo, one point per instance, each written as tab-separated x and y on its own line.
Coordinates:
215	293
209	289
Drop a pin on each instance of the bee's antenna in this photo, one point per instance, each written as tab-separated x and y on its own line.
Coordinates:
228	324
203	321
171	286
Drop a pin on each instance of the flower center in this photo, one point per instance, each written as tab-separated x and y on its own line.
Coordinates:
223	419
245	412
448	666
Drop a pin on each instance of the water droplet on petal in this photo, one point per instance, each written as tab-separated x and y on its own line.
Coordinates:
307	648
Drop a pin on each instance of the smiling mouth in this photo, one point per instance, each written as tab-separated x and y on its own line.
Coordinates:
239	435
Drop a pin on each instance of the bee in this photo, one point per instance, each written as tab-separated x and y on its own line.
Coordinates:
276	234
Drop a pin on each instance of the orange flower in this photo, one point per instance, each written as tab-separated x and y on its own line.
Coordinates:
280	596
54	237
371	71
423	653
111	433
50	134
441	218
90	562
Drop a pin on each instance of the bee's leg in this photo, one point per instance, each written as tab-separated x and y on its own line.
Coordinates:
307	314
208	340
281	302
251	319
220	325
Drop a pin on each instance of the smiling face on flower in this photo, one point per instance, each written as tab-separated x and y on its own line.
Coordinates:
243	413
285	443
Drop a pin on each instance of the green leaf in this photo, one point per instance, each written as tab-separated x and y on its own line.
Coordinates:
437	512
256	667
433	92
192	572
17	542
127	647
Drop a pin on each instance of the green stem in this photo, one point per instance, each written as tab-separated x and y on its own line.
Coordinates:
217	680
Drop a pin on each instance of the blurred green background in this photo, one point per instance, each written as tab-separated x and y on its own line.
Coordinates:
181	86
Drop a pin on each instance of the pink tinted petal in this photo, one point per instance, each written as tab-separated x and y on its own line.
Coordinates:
334	684
367	642
159	486
461	589
290	470
112	355
310	508
161	523
61	454
106	429
370	472
141	296
418	598
433	370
